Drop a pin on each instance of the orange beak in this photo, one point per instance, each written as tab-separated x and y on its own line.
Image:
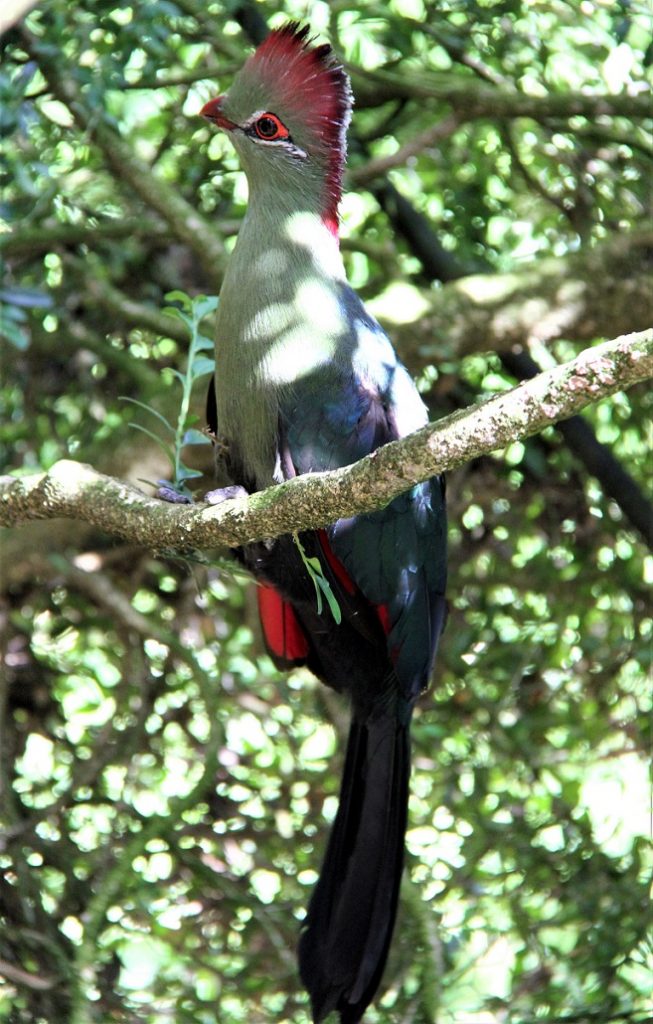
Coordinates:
212	111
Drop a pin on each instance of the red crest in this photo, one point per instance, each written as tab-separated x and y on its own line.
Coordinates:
311	83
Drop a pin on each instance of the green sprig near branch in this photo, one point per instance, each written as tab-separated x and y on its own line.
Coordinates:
320	582
185	432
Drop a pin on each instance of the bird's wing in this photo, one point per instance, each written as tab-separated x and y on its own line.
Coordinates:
396	557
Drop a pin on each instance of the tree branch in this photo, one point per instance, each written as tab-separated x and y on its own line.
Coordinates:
134	313
378	167
72	490
602	290
472	99
605	289
25	240
183	219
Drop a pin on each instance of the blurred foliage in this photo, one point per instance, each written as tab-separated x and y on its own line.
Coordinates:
165	795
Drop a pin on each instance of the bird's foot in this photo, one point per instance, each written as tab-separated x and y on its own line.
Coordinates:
221	494
220	444
167	492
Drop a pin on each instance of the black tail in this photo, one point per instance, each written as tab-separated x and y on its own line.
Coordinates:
346	936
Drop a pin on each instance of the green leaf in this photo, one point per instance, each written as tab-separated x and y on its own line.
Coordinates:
320	582
31	298
202	366
330	599
148	408
193	436
204	344
178	296
203	305
14	333
157	440
173	311
186	473
318	594
180	377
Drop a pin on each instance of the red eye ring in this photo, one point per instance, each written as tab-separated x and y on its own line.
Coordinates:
270	128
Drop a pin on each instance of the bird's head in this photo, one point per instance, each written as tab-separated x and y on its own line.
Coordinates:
287	114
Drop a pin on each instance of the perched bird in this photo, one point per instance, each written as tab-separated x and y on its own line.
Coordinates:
307	380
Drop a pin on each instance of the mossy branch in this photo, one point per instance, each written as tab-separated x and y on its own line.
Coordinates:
73	490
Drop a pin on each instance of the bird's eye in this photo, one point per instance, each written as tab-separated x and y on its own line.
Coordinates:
269	128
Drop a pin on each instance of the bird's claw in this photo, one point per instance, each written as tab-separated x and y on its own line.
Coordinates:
221	494
166	492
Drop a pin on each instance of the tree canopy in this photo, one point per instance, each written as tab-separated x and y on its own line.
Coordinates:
164	793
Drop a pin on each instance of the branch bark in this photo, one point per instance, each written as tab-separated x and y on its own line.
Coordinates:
25	240
564	301
72	490
603	290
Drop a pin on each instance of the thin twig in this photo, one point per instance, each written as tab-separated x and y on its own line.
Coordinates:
425	140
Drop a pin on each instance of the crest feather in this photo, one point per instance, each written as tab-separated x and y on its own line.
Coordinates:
312	85
308	78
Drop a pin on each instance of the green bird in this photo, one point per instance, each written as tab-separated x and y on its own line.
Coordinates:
307	380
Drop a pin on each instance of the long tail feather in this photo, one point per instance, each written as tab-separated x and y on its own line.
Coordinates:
348	928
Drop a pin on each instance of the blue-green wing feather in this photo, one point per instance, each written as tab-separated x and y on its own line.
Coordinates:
396	556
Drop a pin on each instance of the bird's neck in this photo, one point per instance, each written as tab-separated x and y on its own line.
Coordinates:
279	320
278	191
281	245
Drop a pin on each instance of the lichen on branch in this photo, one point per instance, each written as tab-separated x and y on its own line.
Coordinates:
72	490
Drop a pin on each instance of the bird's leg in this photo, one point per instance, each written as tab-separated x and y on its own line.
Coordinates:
220	494
166	491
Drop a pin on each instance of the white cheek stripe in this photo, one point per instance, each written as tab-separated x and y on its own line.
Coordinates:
290	147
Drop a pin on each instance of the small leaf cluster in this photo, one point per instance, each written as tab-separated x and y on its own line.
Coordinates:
184	433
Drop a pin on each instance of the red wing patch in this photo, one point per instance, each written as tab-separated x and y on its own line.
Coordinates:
336	565
346	581
384	617
284	636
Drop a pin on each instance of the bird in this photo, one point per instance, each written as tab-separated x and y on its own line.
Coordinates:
306	380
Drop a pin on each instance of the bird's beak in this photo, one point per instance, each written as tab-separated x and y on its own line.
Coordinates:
212	111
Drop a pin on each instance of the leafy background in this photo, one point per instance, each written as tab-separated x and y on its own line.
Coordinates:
165	794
